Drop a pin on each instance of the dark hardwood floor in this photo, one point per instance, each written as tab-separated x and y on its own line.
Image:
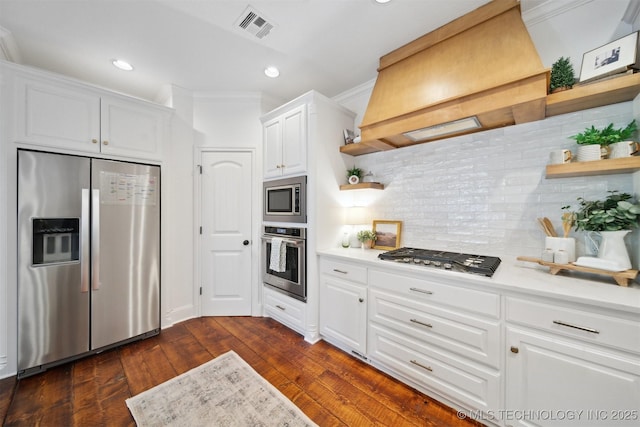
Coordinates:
331	387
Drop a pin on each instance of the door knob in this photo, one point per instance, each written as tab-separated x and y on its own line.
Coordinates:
246	242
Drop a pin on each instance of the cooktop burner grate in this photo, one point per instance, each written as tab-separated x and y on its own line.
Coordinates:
466	263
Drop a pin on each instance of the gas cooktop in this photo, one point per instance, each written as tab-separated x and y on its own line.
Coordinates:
454	261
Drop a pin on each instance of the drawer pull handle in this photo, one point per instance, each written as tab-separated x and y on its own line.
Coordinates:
421	323
415	362
422	291
340	271
569	325
280	307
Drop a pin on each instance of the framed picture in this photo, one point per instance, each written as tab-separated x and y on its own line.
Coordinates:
348	136
612	58
387	234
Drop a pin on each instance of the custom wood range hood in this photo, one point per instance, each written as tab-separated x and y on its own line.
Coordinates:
479	72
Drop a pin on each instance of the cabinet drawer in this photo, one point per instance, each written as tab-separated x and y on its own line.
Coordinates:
426	366
284	309
425	290
472	337
592	327
347	271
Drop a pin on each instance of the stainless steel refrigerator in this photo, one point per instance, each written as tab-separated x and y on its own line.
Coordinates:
88	256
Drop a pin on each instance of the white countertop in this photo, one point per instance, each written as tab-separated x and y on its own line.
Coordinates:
518	277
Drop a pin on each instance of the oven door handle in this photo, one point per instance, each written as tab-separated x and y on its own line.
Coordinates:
285	241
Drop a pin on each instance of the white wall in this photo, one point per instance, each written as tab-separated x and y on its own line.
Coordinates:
482	193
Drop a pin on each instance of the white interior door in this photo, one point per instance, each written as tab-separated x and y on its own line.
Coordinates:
226	233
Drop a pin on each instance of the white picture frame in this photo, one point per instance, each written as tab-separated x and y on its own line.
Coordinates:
612	58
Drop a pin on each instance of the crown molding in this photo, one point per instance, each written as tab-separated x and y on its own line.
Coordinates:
8	47
548	9
361	89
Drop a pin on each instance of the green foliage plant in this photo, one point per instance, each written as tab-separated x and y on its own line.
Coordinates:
614	213
605	136
365	235
355	171
562	74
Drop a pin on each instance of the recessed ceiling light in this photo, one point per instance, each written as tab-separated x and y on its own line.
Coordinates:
382	1
122	65
272	72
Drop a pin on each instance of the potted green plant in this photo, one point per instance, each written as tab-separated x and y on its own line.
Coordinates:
366	237
614	213
612	219
591	138
562	75
354	175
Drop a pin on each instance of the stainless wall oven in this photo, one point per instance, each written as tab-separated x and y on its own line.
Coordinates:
292	277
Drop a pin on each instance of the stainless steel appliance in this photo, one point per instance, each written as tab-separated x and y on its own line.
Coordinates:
88	256
285	200
292	281
465	263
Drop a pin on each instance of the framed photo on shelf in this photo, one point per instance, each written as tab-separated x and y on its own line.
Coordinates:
348	136
612	58
387	234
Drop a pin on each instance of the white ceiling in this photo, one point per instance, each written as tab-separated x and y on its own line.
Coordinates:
327	45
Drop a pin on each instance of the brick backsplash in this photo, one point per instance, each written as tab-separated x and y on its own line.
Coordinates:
482	193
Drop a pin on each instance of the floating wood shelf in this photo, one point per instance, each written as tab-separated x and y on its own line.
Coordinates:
590	95
621	277
357	149
596	167
362	185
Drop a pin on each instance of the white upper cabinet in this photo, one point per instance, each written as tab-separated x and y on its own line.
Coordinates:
53	113
131	128
285	143
57	115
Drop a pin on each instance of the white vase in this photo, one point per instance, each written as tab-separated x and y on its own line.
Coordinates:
587	153
612	248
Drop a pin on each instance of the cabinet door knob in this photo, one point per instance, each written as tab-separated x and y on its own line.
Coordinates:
361	299
246	242
95	141
514	349
105	142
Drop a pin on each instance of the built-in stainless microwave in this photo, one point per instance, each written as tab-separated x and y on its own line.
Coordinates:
285	200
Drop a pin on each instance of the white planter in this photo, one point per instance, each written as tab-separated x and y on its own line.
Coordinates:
612	247
588	153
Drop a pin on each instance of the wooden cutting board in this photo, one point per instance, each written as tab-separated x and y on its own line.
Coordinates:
621	277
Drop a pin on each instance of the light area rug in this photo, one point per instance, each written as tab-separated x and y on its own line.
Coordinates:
225	391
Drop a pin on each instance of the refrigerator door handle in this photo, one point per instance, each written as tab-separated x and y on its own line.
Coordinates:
84	244
95	239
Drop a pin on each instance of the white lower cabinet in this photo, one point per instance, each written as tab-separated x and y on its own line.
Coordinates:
570	366
343	306
284	309
504	358
440	338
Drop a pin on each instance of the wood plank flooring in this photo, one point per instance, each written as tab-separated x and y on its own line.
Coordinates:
331	387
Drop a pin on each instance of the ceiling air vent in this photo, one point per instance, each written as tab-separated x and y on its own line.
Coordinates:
254	23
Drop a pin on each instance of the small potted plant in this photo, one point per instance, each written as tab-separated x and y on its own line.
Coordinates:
593	143
366	237
354	175
562	75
